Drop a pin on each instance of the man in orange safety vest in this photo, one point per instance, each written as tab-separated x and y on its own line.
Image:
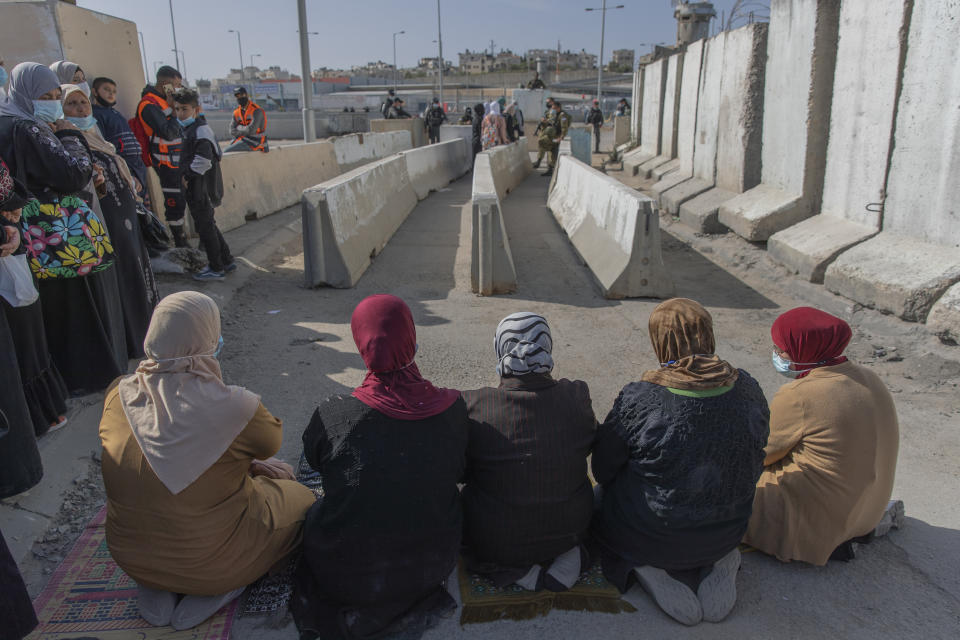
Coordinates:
249	126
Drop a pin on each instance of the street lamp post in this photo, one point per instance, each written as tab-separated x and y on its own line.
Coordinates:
603	26
395	58
440	47
173	28
254	55
309	125
143	53
240	47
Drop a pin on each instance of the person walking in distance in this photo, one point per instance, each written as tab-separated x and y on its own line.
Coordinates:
595	117
203	184
249	126
386	107
162	136
432	119
546	131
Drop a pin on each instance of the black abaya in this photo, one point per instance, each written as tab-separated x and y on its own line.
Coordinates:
83	320
43	387
16	610
20	465
138	289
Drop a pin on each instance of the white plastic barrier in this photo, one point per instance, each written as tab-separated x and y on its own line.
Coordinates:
615	229
435	166
349	219
496	172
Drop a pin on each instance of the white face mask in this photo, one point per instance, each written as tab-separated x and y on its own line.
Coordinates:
782	365
84	87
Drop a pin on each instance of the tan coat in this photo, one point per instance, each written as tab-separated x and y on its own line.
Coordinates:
831	458
222	532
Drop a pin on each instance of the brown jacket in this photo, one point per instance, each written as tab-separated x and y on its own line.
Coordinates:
830	464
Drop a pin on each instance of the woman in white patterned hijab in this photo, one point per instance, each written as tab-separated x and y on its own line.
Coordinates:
523	344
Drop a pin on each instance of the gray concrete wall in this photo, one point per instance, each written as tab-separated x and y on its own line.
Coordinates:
923	190
671	106
801	53
708	109
687	115
652	111
436	165
413	125
358	149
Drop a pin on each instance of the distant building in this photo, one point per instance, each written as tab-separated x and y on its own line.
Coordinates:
476	62
622	60
564	59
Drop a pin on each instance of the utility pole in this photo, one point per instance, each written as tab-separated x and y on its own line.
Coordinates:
440	47
395	70
309	125
603	27
173	28
143	52
243	76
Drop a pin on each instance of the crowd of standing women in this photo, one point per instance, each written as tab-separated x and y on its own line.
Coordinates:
76	285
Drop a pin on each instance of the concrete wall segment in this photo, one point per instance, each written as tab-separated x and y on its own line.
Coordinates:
357	149
687	109
435	166
413	125
671	106
861	115
708	109
652	114
923	187
740	122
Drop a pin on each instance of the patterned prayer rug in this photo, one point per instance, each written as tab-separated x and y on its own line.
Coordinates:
89	595
483	602
271	594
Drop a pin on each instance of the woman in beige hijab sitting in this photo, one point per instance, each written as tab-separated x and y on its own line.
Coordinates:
196	509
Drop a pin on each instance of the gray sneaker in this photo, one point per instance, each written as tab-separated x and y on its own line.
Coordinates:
675	598
208	274
892	518
718	591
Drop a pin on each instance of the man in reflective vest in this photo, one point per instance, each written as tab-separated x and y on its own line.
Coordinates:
249	126
164	139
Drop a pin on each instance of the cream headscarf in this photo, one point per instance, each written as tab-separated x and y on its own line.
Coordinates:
97	142
182	414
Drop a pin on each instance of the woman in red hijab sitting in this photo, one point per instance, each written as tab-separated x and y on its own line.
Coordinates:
382	541
832	451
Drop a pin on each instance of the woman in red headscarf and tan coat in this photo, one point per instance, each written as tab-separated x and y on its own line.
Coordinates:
832	451
386	535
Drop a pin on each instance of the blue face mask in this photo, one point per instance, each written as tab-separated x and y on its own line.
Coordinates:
48	110
3	77
84	123
782	365
186	123
216	352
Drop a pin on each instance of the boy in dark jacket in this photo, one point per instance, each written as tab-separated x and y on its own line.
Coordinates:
203	183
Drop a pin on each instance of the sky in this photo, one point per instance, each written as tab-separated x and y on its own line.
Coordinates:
354	32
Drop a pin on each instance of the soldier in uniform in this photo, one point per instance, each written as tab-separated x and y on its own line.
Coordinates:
561	126
536	83
545	132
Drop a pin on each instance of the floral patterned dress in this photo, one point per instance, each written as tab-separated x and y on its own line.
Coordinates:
70	253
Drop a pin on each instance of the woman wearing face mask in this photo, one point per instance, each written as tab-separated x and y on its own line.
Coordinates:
68	247
71	73
832	452
195	505
138	289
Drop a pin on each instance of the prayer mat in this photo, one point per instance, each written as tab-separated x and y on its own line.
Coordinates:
271	593
483	602
90	596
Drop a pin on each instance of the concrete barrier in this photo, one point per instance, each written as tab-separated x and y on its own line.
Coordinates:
686	121
259	184
435	166
871	41
413	125
621	130
461	131
651	117
349	219
581	140
916	257
671	109
944	317
358	149
739	129
796	109
615	229
496	172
